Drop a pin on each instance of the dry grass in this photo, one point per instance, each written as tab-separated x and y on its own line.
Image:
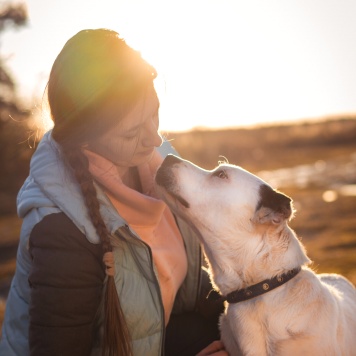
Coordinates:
9	232
327	230
269	147
2	311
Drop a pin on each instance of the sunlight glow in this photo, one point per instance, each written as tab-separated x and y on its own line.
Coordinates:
220	63
218	68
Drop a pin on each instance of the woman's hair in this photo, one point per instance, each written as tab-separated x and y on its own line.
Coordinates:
95	80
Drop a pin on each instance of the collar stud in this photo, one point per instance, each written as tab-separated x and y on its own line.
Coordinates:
265	286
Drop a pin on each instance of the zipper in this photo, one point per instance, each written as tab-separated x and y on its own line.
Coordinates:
128	230
198	270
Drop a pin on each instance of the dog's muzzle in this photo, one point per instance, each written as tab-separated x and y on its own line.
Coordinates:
166	178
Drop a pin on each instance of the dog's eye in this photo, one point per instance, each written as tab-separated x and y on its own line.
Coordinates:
220	174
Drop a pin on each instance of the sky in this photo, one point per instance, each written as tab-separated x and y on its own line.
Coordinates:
220	63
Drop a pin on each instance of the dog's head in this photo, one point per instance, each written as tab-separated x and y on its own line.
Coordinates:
215	199
240	220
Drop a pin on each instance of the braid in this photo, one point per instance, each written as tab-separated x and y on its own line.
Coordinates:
116	341
80	165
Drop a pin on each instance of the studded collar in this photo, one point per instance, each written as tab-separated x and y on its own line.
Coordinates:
263	287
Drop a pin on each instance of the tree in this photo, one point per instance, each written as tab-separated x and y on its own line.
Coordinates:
10	16
14	157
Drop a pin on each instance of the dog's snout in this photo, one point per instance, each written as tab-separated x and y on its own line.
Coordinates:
164	176
170	160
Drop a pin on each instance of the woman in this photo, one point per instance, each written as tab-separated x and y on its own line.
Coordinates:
103	266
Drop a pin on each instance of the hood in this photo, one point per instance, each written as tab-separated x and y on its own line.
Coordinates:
51	185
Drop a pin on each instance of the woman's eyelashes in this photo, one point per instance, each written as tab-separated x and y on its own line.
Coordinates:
131	136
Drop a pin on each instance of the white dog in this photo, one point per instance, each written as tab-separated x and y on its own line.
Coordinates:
275	305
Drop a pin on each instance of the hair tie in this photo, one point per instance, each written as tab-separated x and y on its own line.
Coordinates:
109	263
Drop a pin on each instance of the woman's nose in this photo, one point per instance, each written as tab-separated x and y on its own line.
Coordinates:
151	136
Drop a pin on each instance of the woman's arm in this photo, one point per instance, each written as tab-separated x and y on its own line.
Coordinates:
66	282
216	348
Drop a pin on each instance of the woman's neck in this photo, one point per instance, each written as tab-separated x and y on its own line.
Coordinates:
130	177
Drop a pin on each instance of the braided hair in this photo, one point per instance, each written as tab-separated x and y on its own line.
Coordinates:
95	80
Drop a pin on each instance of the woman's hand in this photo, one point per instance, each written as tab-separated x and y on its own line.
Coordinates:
216	348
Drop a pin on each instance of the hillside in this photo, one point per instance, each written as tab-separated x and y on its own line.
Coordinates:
268	147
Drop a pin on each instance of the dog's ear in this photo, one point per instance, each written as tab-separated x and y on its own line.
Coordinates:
273	207
267	216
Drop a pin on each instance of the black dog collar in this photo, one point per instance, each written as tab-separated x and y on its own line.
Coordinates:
265	286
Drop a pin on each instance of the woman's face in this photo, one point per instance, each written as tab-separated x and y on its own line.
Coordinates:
132	141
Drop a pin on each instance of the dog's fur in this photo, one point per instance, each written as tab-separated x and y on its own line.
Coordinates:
242	224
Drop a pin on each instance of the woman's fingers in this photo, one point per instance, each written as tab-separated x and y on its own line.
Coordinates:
216	348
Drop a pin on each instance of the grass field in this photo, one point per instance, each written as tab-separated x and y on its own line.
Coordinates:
314	163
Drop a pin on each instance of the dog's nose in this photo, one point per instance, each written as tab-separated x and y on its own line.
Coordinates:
163	175
170	160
